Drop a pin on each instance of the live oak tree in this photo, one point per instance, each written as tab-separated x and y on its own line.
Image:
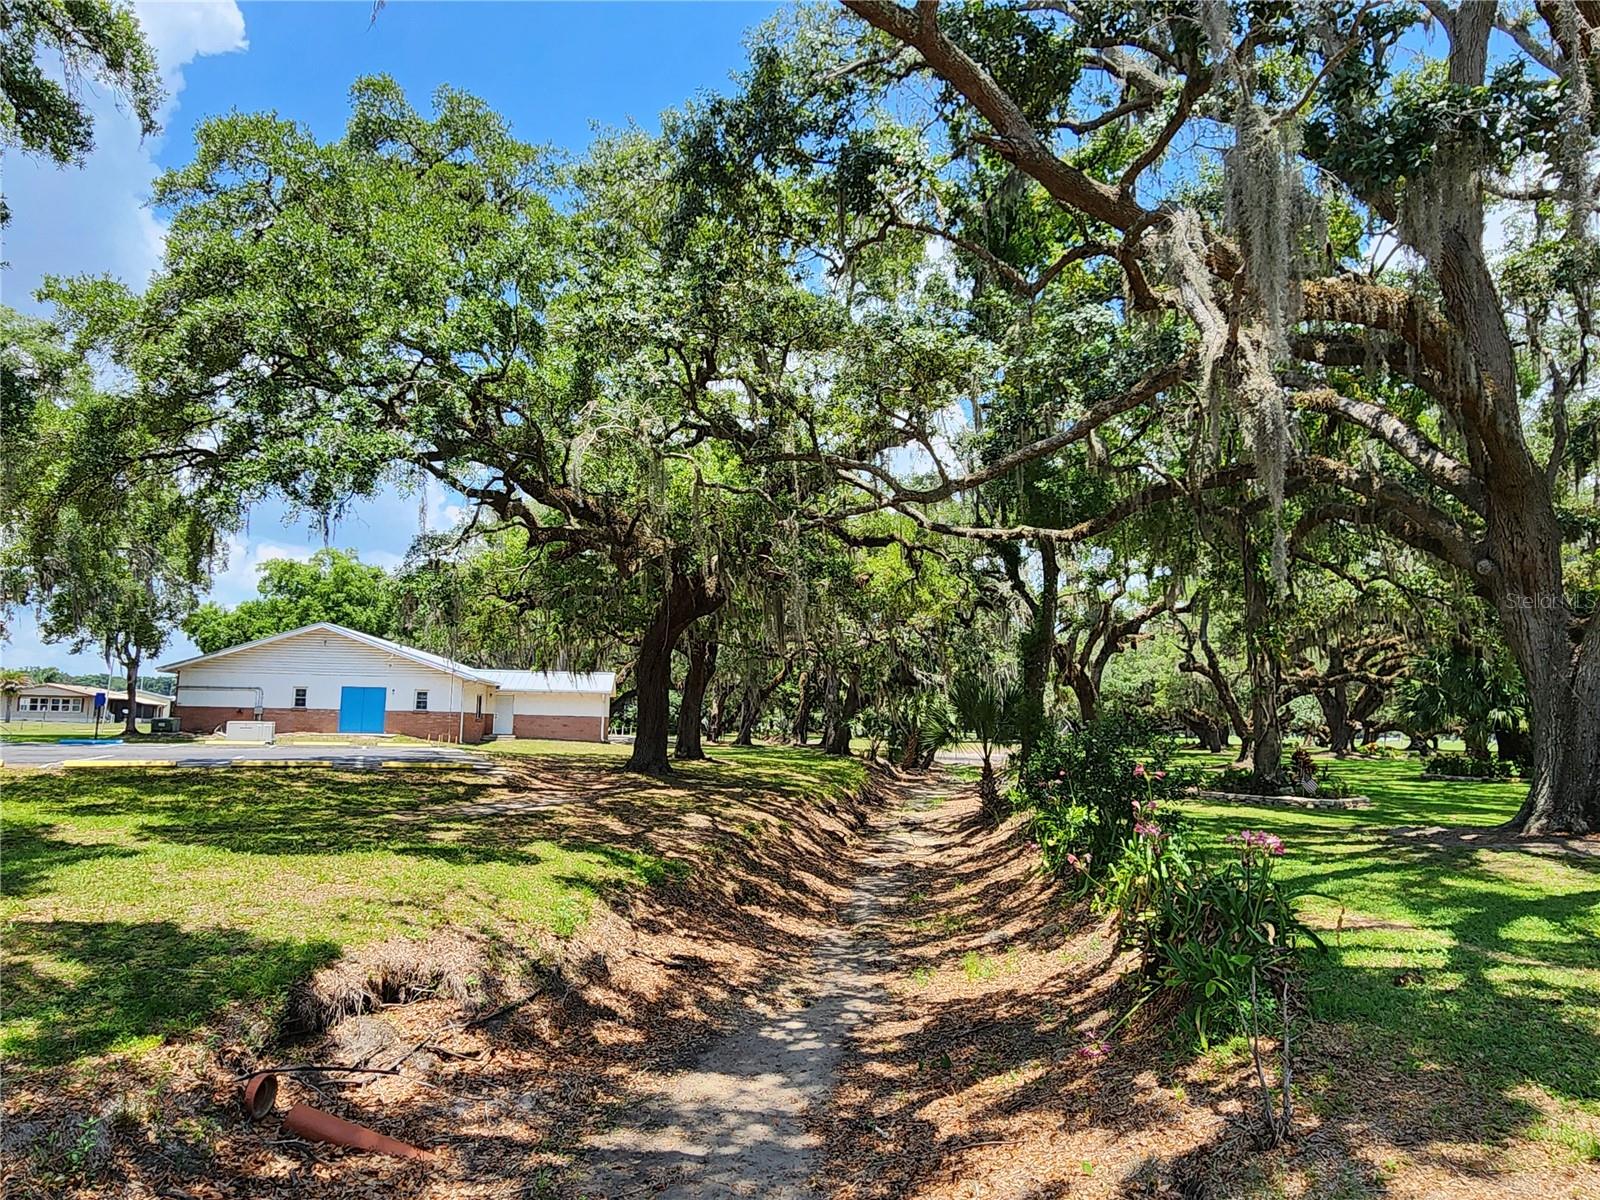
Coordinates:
118	582
104	547
334	316
1391	398
407	299
49	51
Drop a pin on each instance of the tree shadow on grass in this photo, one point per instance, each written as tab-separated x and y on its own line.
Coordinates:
29	856
80	988
1466	992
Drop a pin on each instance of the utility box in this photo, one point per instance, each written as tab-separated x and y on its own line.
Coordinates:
250	731
164	725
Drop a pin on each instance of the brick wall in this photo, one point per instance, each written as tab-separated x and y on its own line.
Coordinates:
194	718
565	729
472	728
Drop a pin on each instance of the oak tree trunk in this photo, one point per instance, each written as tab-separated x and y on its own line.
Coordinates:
1037	644
1085	689
800	728
130	721
692	698
688	597
841	713
1521	568
748	712
1564	702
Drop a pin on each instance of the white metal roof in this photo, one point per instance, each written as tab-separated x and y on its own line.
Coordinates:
594	683
117	690
436	661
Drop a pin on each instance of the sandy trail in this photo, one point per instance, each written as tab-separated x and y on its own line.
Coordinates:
734	1123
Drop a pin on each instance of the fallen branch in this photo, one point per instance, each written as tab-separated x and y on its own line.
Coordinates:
303	1068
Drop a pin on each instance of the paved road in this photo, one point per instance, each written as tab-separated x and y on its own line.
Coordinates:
187	754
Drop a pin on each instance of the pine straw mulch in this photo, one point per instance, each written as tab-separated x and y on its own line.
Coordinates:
985	1076
507	1046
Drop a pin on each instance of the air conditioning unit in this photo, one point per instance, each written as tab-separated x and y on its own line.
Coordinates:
164	725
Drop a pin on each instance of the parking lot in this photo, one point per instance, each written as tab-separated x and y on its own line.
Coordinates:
187	754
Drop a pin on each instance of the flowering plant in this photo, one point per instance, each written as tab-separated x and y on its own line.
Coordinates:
1088	788
1257	841
1222	923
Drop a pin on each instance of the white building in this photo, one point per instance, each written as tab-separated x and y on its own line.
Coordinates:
73	703
325	678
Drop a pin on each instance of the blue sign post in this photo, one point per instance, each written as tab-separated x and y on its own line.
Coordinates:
99	707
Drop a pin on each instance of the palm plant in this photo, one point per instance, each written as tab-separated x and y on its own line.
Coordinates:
1459	688
11	685
984	710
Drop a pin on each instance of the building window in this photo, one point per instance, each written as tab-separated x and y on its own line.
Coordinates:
422	701
77	706
299	697
480	706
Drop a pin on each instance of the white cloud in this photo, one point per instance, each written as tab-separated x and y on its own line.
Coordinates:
443	507
94	219
237	581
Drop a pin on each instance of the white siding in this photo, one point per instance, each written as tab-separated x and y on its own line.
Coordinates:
562	704
323	664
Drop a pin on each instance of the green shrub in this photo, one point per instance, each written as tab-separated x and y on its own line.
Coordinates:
1331	783
1202	929
1244	781
1105	816
1082	786
1247	783
1215	927
1461	764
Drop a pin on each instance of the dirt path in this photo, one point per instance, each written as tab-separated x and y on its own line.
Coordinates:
734	1123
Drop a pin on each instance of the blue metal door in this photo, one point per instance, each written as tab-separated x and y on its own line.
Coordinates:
361	709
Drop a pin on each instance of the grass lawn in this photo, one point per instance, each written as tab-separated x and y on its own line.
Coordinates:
1463	963
137	905
51	731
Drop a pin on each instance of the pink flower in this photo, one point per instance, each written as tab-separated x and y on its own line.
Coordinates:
1061	774
1161	774
1138	770
1147	829
1095	1049
1251	840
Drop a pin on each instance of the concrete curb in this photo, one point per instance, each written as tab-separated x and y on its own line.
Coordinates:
392	764
78	764
1329	802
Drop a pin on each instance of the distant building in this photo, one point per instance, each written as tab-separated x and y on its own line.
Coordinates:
325	678
74	703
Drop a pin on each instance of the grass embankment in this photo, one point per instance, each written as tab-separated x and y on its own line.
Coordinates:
139	905
1460	962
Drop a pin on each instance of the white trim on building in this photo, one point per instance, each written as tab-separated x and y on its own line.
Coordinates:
326	678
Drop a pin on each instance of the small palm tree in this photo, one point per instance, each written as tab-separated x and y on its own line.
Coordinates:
985	710
1460	688
11	685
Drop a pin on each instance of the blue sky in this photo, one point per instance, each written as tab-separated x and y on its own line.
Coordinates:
556	70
